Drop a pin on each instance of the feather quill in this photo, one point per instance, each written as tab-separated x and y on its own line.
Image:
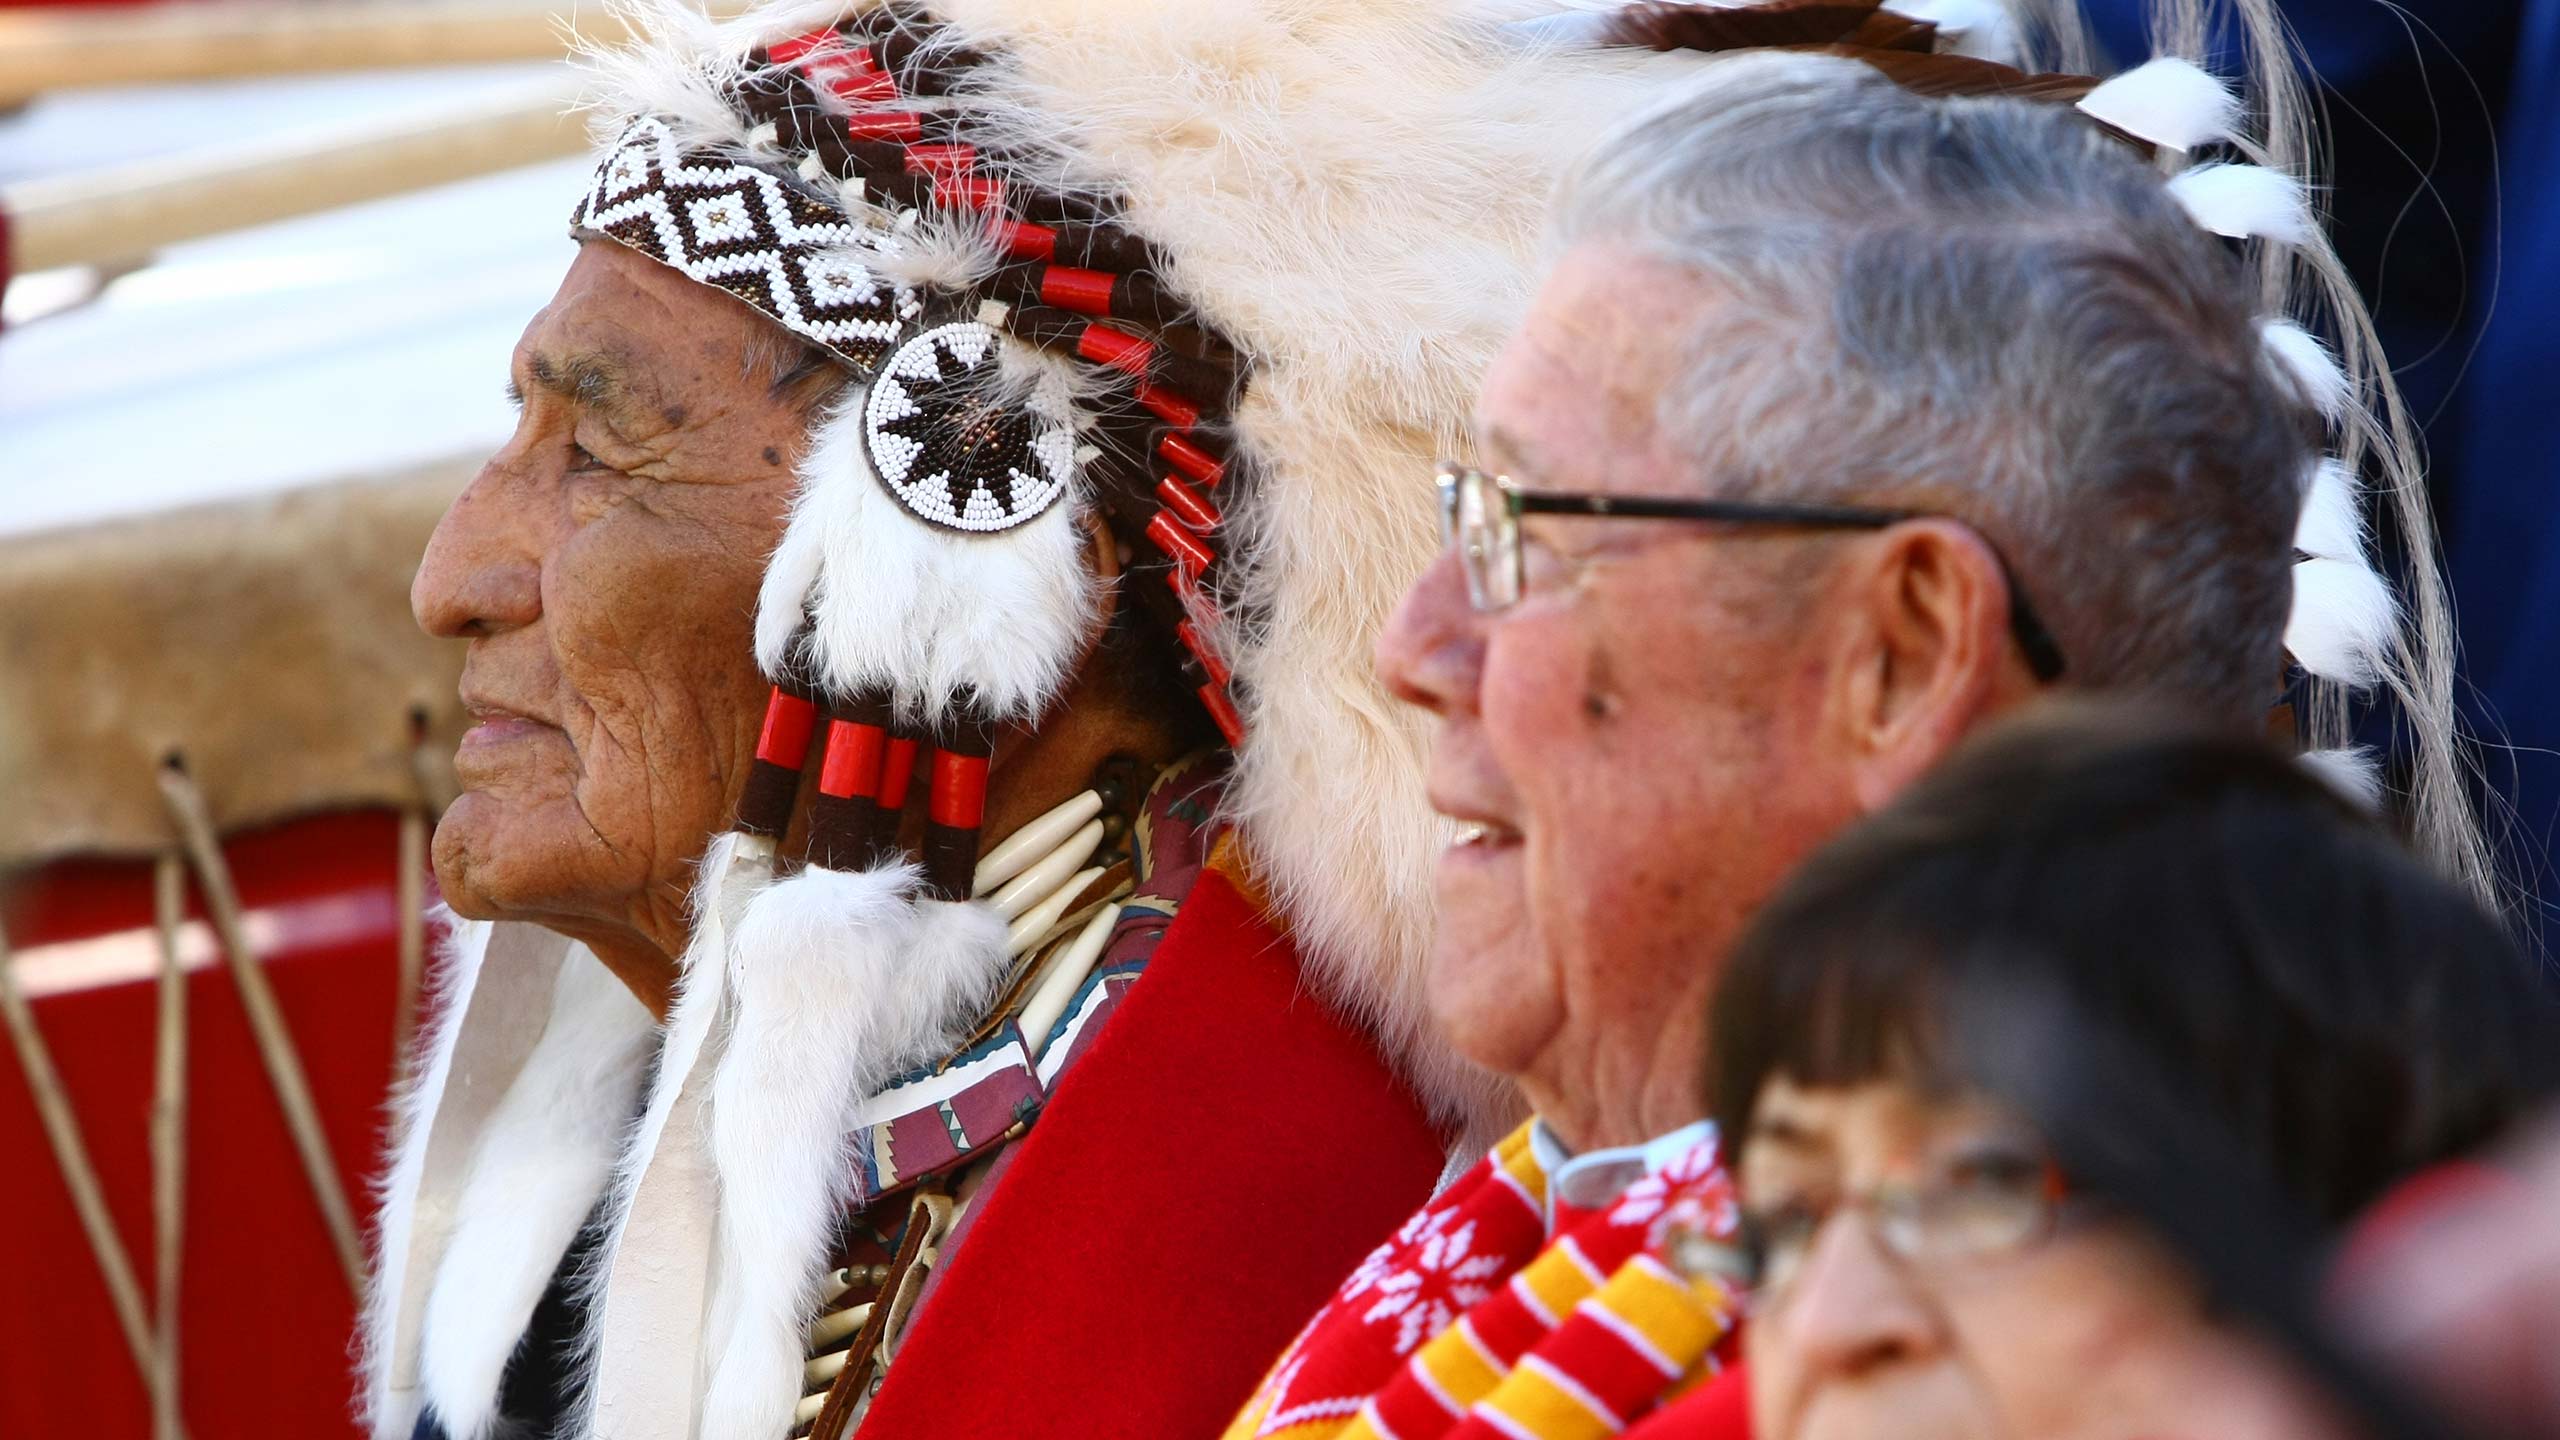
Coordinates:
2332	525
2299	355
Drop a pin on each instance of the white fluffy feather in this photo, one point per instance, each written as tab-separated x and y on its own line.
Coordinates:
2343	621
839	982
2332	515
2169	102
2245	202
2355	772
1983	29
2298	355
541	1164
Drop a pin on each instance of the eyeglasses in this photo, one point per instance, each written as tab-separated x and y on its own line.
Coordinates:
1480	520
1996	1205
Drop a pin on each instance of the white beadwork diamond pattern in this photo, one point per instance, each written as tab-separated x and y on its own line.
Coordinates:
776	245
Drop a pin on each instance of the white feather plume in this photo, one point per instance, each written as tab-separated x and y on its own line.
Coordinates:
2354	771
2299	355
2343	618
2332	515
2245	202
2170	102
1982	29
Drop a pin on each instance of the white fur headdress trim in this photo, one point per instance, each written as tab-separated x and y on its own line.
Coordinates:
2354	771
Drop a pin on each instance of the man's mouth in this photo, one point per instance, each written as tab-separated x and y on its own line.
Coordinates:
1484	835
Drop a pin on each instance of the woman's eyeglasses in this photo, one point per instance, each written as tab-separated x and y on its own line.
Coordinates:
1998	1206
1480	520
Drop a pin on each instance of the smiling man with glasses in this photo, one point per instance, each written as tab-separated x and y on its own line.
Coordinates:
1848	419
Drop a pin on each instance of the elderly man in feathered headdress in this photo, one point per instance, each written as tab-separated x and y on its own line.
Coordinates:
947	896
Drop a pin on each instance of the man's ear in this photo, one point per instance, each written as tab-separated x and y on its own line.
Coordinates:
1931	654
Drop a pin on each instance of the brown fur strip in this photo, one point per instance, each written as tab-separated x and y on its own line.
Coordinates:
1666	25
1936	75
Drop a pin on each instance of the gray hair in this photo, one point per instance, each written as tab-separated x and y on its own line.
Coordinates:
1984	308
1988	308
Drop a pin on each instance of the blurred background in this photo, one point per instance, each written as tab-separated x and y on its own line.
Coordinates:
263	265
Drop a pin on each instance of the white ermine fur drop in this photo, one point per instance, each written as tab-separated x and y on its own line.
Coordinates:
2332	515
2355	772
538	1172
2299	356
838	983
898	605
2170	102
2246	202
2343	621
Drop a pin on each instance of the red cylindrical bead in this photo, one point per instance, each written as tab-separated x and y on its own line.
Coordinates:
801	47
788	719
852	768
897	771
1202	651
1168	406
902	125
854	85
959	795
1183	548
1085	291
1213	698
968	192
1190	504
1026	241
943	160
1188	457
1116	348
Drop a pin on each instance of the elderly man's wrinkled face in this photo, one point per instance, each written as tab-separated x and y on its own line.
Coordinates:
1627	744
603	567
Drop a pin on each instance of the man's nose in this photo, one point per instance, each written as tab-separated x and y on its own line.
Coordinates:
482	574
1432	652
1852	1309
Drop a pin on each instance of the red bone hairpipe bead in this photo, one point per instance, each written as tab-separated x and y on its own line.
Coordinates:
773	779
788	720
959	794
800	47
1173	409
941	159
1202	651
1213	698
1117	349
1068	287
902	125
1186	550
1025	241
855	85
968	192
898	770
1188	456
854	753
1189	504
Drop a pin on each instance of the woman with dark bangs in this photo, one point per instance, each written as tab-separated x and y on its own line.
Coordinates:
1957	1016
